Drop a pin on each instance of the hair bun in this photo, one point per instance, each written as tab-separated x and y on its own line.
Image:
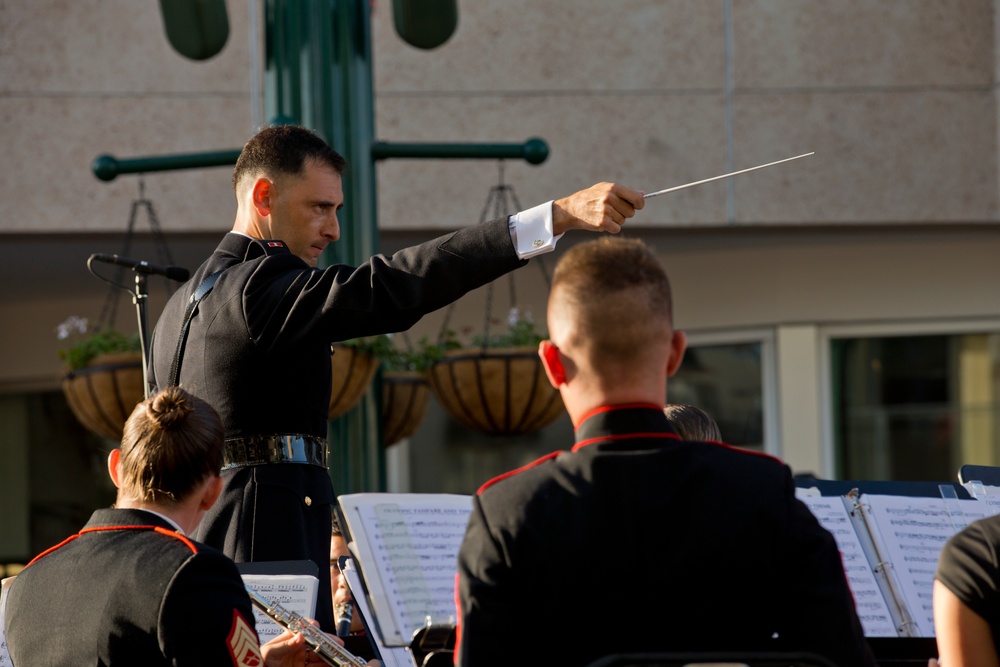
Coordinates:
169	408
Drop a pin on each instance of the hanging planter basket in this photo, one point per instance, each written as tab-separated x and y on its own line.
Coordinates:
405	396
499	391
352	375
103	394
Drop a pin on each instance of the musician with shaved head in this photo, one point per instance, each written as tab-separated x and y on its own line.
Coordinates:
704	544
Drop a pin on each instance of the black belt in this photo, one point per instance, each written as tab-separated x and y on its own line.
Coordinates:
262	449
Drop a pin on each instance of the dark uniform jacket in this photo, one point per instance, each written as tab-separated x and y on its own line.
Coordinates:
259	352
130	590
636	541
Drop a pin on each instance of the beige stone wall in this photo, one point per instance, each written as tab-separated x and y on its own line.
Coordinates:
81	78
896	99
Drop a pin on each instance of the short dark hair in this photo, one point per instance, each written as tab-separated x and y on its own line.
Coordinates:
692	423
282	150
171	443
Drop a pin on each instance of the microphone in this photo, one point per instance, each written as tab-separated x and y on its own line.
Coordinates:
178	273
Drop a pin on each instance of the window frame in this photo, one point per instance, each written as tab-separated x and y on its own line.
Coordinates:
877	329
765	337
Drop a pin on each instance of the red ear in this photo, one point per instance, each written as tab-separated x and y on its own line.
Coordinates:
553	362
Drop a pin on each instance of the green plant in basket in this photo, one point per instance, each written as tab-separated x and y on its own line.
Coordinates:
521	332
84	344
393	358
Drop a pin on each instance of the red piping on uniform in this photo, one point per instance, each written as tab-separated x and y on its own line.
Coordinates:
53	548
509	473
159	529
627	436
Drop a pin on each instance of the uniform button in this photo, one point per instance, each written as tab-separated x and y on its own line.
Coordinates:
309	501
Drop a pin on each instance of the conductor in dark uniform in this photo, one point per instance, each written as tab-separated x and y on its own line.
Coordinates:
251	331
636	541
132	588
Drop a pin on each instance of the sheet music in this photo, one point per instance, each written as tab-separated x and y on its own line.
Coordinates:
988	494
832	513
913	531
407	544
294	592
391	656
4	654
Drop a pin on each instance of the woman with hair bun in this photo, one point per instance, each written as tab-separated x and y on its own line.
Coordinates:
132	588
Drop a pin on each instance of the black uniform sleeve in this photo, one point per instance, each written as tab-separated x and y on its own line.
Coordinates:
283	300
206	617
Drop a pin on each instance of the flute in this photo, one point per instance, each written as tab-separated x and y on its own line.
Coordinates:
331	652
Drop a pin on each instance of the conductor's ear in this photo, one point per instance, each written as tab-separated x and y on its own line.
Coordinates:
552	363
261	195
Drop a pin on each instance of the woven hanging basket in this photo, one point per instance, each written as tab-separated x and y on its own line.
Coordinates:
499	391
405	395
352	374
103	394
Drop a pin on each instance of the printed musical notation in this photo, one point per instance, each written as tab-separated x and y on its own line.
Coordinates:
832	513
890	547
296	593
913	531
408	546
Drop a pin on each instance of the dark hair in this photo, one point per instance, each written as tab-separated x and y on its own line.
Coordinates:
282	150
336	530
692	423
172	442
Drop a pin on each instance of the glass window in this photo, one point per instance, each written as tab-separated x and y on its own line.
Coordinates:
914	407
60	474
726	381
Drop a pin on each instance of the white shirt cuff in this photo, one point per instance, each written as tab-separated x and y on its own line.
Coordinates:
531	231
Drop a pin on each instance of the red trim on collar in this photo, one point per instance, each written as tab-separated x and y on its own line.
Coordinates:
511	473
97	529
625	436
621	406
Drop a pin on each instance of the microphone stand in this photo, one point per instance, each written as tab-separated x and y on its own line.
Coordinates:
141	300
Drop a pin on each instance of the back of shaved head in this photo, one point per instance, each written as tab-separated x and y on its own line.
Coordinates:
610	299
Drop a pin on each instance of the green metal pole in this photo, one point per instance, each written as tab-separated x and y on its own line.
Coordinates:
359	432
318	72
533	151
106	167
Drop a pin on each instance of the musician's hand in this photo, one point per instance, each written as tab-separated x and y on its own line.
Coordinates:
286	650
602	207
